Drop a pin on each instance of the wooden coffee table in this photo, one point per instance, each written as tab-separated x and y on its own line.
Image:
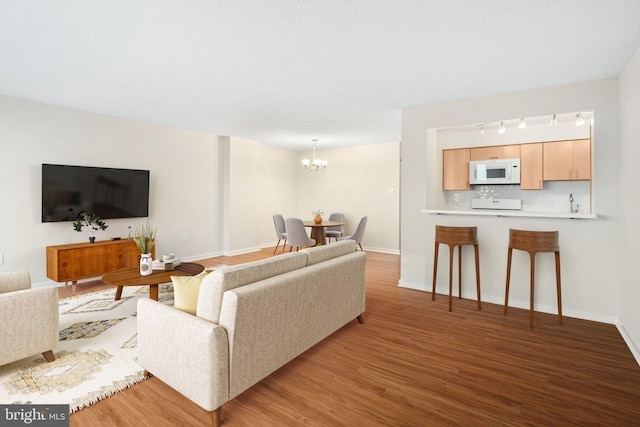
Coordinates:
130	276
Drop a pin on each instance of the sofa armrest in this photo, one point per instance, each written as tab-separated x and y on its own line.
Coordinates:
28	323
14	281
186	352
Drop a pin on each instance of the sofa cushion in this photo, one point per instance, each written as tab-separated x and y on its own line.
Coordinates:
217	283
319	254
186	290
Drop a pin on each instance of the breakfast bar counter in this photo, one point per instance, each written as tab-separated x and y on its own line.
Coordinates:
499	213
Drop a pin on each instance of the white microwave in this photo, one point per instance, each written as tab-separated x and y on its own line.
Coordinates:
499	171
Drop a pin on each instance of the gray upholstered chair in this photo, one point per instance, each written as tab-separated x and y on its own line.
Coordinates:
359	233
336	231
281	232
297	235
28	318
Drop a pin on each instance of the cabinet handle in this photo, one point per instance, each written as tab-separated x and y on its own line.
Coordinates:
493	157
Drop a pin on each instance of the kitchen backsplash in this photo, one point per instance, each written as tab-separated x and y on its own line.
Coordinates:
554	198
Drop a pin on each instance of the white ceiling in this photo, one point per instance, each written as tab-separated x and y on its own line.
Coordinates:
284	72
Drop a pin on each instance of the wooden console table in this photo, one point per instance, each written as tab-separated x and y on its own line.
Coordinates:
70	263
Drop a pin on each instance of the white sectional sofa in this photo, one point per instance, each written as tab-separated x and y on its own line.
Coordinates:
251	319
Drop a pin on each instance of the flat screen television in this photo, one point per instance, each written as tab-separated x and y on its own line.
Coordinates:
107	192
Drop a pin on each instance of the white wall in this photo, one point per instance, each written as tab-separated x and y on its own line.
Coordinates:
629	84
359	181
590	249
183	172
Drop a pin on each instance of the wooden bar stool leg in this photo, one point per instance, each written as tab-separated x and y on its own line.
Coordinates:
451	248
459	271
559	287
506	293
435	272
533	269
477	254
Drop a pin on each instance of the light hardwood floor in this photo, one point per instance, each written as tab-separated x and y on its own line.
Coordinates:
412	363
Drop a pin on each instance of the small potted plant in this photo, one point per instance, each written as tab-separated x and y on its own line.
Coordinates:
92	221
317	216
145	237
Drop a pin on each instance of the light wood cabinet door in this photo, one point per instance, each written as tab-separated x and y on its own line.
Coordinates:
455	169
567	160
495	152
531	166
582	159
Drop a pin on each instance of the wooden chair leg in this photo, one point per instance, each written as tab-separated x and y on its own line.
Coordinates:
477	254
531	299
435	271
49	356
559	288
506	292
451	248
459	271
216	417
274	251
360	319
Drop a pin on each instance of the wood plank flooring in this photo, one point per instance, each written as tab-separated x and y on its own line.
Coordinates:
412	363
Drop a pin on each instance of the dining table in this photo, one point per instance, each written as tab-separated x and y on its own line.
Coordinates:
318	229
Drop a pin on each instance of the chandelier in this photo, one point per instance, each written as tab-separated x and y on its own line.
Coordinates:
315	164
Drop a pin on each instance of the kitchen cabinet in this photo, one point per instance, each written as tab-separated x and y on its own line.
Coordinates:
531	166
455	169
567	160
495	152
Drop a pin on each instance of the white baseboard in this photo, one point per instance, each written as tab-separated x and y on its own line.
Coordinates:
633	345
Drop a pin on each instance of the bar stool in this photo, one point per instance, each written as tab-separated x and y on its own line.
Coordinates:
456	236
534	242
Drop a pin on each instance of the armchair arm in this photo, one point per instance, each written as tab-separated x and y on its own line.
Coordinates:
186	352
28	323
14	281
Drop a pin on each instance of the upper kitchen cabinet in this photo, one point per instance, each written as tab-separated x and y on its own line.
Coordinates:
455	169
496	152
567	160
531	166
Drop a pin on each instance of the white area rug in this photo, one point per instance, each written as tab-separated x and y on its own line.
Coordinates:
95	358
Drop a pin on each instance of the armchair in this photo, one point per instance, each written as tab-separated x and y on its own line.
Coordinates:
28	318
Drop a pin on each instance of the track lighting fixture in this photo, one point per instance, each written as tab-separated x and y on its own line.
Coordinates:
482	130
579	120
554	121
501	129
522	124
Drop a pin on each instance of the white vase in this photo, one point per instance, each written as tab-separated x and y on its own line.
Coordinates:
145	265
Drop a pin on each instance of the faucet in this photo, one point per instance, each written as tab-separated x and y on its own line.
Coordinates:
571	205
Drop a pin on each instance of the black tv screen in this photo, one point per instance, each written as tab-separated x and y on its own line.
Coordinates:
107	192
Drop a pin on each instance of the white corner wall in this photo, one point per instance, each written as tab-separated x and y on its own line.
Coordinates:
629	89
183	171
590	249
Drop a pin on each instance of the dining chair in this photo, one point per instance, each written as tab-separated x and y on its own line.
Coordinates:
281	233
336	231
359	233
297	235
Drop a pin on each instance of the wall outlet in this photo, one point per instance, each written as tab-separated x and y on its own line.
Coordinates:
185	237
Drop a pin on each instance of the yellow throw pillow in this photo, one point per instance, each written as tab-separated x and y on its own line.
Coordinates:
185	292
